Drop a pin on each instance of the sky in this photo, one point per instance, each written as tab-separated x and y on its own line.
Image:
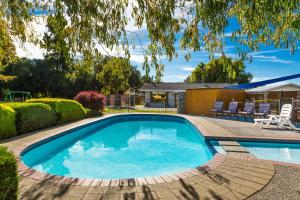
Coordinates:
267	63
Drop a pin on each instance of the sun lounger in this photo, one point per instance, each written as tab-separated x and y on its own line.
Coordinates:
282	121
232	109
248	109
263	111
218	108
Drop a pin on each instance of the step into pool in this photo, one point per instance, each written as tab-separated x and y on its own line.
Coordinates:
124	146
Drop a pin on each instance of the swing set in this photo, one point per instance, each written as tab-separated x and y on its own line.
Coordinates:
17	96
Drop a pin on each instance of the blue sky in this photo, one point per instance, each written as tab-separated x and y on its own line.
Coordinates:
267	63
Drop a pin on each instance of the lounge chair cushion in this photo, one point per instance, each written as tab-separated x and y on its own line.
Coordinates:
260	114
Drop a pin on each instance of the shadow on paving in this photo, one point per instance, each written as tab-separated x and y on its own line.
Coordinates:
187	191
129	190
215	177
45	190
146	194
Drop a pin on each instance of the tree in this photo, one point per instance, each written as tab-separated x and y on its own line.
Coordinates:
55	40
202	22
135	79
7	48
39	77
147	79
114	76
221	70
7	53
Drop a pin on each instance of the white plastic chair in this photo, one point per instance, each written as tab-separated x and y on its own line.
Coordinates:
283	120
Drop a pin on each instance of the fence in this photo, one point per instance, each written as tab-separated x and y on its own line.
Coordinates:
132	103
201	101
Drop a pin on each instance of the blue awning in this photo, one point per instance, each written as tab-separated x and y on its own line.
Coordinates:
262	83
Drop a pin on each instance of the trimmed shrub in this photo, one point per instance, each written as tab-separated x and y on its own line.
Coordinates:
32	116
66	110
8	175
92	113
7	122
90	99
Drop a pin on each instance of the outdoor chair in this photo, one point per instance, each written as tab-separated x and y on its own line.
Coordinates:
248	109
263	111
232	109
283	120
218	107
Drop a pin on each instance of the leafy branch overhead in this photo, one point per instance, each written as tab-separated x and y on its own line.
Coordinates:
202	23
221	70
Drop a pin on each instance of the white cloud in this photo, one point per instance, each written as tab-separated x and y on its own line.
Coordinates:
231	55
28	49
273	59
228	34
268	51
137	58
188	68
174	78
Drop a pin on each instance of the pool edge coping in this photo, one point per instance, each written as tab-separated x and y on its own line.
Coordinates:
28	172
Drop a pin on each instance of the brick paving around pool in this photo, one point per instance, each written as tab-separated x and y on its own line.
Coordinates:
236	175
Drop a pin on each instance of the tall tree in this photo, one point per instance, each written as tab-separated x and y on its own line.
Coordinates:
55	41
135	79
7	53
114	76
202	22
221	70
7	48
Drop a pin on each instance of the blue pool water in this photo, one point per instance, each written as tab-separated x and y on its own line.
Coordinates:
282	152
126	146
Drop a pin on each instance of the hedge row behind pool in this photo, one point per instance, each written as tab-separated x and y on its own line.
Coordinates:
32	116
8	175
7	122
66	110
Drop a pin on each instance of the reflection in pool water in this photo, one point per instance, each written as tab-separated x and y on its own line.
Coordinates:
274	151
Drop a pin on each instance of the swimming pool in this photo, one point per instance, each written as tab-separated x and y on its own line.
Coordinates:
283	152
124	146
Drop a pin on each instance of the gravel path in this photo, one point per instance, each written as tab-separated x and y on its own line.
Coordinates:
284	185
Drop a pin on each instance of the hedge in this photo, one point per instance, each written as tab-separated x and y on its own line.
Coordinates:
8	175
32	116
7	122
66	110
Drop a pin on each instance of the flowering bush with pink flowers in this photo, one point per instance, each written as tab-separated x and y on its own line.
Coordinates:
90	99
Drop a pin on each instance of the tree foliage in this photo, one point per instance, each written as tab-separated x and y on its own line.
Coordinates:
7	48
55	41
114	76
135	78
202	22
221	70
42	78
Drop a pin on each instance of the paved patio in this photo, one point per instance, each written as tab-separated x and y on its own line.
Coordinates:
233	179
222	129
237	175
